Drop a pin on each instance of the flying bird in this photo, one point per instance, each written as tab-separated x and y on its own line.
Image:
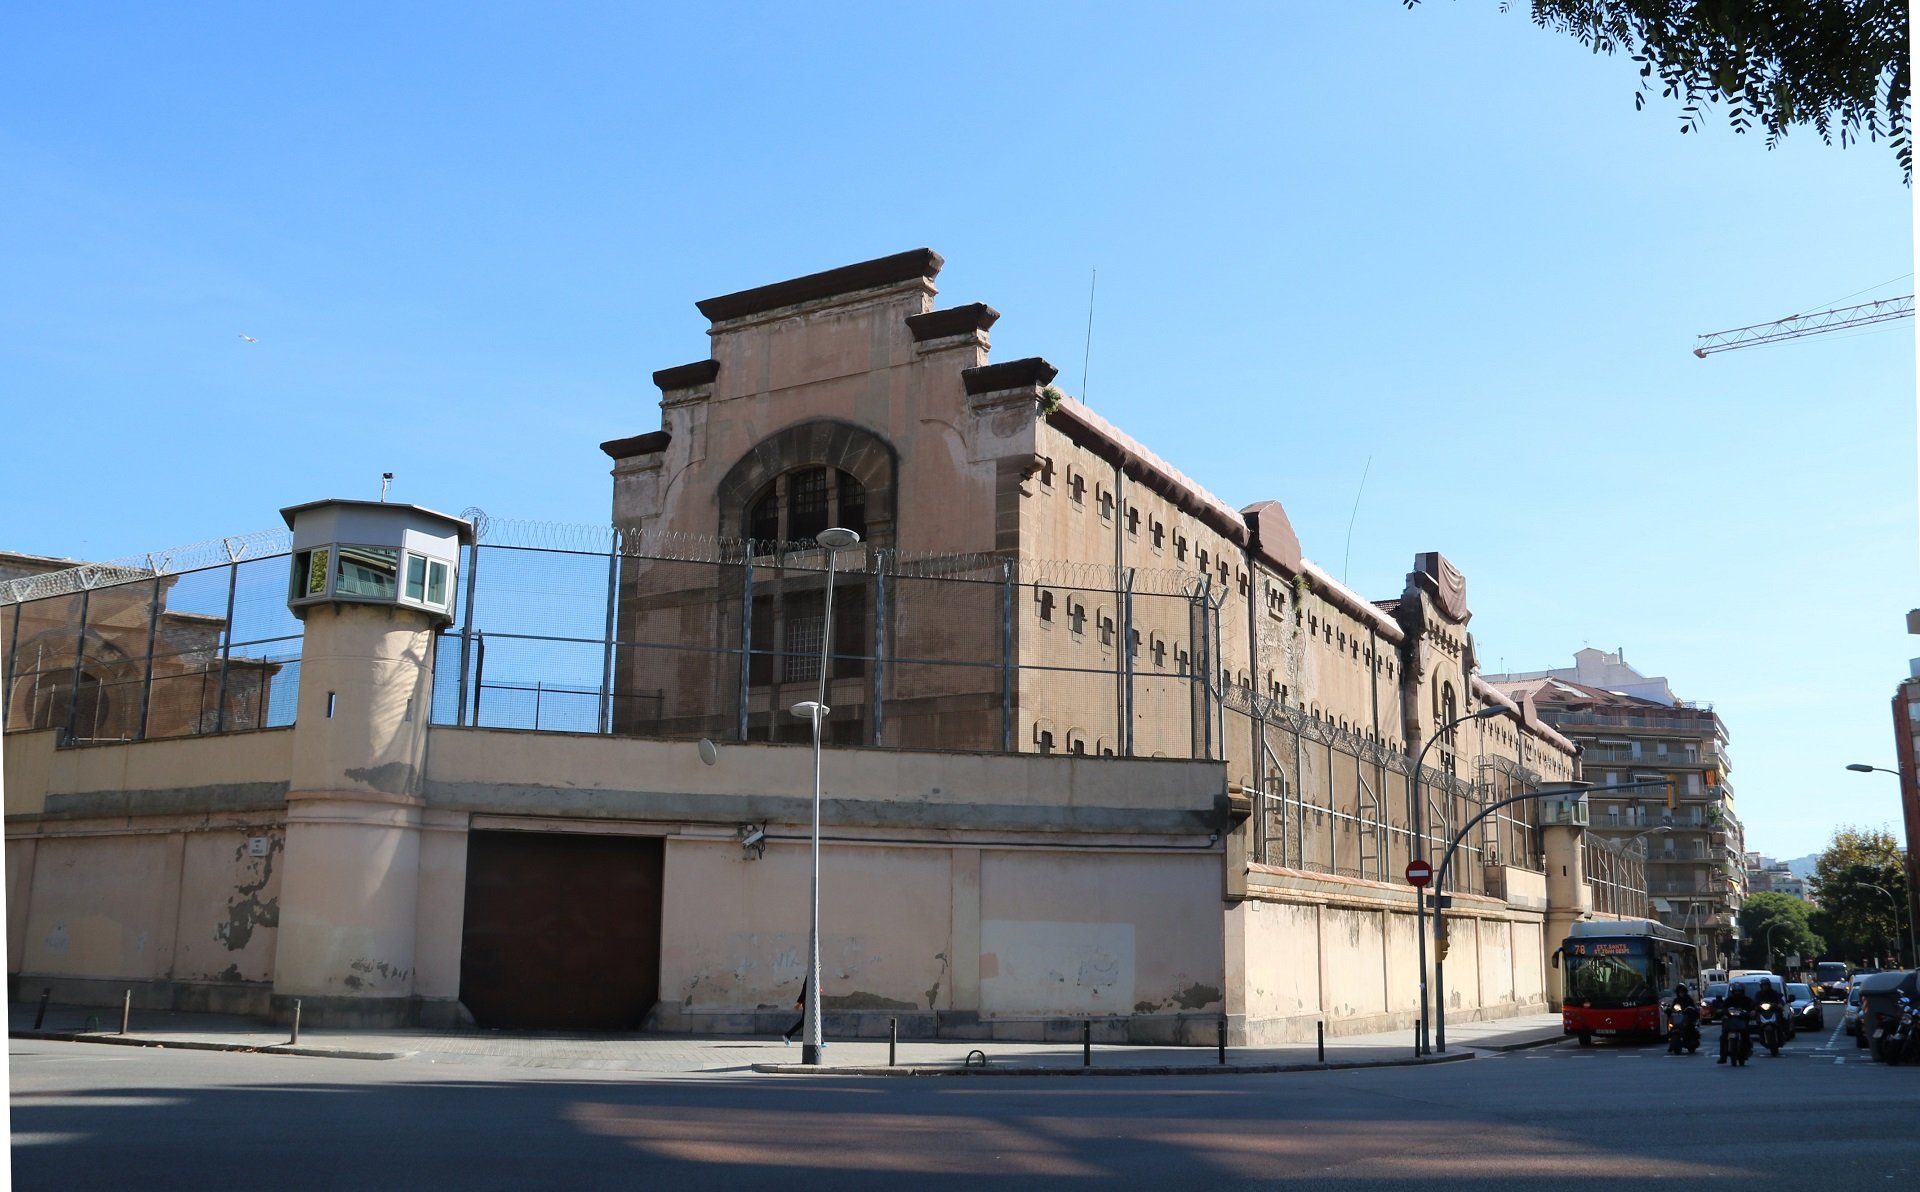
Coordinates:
249	338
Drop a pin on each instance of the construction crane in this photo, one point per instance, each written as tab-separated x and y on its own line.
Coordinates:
1866	314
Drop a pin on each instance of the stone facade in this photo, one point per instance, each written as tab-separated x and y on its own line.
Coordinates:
1209	819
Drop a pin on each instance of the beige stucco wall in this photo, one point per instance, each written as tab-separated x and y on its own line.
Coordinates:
851	360
734	930
1309	948
1094	933
169	901
548	773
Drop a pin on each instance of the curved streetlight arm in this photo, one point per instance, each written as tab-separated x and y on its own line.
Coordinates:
1417	850
1446	862
1913	941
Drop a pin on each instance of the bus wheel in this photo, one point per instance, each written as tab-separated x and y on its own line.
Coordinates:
1586	1038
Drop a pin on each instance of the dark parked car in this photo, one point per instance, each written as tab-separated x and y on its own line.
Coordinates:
1880	1000
1806	1008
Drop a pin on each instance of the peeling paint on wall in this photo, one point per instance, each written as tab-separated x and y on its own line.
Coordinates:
393	778
246	910
243	917
933	994
863	1001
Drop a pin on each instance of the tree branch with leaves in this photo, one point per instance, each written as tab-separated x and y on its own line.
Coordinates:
1839	67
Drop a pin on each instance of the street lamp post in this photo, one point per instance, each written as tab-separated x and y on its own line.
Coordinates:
1913	935
816	710
1576	787
1770	930
1419	853
1913	946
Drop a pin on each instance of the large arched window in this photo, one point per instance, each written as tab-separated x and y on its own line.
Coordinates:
799	504
790	602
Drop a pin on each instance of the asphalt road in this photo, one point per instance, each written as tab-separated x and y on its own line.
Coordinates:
1563	1117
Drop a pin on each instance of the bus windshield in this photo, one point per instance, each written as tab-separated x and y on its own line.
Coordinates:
1618	980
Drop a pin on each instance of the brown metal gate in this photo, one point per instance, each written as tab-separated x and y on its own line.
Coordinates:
562	930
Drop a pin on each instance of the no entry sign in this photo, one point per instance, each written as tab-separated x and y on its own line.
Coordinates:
1419	873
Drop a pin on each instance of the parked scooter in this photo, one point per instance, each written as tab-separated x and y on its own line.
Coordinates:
1899	1040
1772	1027
1683	1030
1739	1029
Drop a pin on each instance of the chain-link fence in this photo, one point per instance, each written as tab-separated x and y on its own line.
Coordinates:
693	638
585	630
146	649
1336	801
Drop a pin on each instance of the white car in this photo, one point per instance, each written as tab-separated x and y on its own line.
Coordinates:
1850	1017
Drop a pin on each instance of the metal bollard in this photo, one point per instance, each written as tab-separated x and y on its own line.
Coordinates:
296	1023
40	1019
126	1010
1320	1040
1221	1029
1086	1044
893	1041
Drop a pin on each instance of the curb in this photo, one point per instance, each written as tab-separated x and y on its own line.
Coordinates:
1162	1070
338	1053
1549	1041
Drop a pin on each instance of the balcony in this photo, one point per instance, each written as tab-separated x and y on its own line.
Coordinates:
1678	720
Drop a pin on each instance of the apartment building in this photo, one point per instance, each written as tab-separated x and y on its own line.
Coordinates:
1632	729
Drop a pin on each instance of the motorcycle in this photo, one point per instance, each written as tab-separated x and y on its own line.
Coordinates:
1899	1041
1683	1030
1772	1029
1738	1030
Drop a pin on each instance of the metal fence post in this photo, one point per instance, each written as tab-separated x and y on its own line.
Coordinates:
146	679
79	656
1203	667
746	641
1125	736
226	650
1007	662
606	661
466	632
876	695
1219	650
479	674
13	652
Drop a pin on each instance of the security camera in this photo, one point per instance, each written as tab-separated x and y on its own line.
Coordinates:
753	838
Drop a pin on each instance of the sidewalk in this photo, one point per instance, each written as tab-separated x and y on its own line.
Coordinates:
723	1054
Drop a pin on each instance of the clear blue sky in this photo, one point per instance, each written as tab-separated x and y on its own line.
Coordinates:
1438	240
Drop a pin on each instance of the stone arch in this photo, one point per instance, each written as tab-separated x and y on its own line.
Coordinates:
822	442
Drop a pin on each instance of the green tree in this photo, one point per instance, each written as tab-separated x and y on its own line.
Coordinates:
1862	887
1837	66
1782	921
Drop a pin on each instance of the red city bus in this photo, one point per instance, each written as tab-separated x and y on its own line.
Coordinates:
1616	977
